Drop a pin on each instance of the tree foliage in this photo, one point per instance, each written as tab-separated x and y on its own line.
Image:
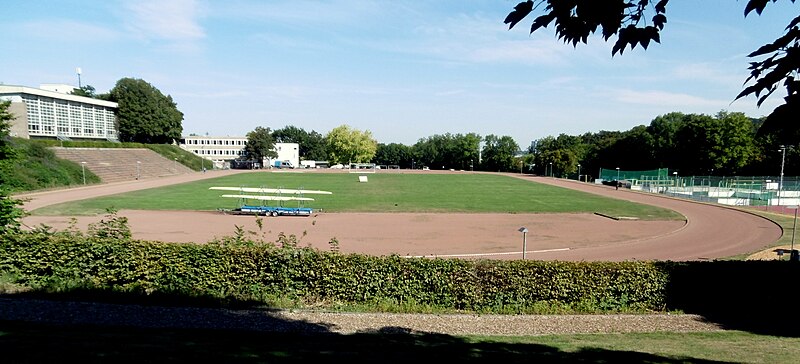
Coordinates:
575	20
85	91
260	145
9	207
448	151
394	154
145	114
349	145
690	143
311	144
498	153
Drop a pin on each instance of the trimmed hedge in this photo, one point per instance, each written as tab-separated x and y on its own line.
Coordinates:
267	273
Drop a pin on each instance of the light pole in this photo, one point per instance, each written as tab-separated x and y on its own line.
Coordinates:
551	169
524	232
579	172
675	175
83	171
138	174
617	174
780	185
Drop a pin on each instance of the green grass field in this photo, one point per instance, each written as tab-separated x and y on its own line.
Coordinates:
383	193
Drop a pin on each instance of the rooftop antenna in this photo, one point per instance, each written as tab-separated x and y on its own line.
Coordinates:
78	71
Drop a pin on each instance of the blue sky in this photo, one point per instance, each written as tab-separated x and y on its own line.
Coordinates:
403	70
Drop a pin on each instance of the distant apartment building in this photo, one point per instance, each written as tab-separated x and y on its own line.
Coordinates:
222	150
50	112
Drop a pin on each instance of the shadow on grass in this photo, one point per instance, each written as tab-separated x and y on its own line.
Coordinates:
38	327
759	297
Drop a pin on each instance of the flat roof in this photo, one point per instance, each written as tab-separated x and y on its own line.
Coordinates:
11	90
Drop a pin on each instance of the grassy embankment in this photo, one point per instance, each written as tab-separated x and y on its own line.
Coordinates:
37	167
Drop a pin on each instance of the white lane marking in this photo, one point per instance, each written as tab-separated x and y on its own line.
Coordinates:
484	254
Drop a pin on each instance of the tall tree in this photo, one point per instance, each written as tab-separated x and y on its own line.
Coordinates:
260	145
145	114
498	153
9	207
448	151
723	144
349	145
393	154
312	144
628	21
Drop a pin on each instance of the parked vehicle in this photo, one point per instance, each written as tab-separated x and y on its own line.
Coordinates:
283	164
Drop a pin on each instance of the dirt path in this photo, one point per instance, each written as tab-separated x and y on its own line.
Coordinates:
709	232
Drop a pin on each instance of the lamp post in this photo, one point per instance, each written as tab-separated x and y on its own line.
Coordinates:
617	174
524	232
579	172
138	174
83	171
551	169
780	185
520	166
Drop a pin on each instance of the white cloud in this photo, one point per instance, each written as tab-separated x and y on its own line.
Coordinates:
174	20
301	12
662	98
67	30
710	72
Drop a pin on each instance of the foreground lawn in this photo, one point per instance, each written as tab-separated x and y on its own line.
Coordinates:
37	343
383	193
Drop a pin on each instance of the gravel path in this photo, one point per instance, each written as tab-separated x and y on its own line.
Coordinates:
311	322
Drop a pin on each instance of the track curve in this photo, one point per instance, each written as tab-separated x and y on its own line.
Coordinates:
711	231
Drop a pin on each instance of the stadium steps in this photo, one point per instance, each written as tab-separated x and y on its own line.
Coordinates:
120	164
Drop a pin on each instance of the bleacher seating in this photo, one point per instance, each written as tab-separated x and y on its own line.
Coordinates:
122	164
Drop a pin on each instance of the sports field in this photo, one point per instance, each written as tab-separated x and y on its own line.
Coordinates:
384	192
444	213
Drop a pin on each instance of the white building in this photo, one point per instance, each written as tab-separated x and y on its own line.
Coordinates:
222	150
53	113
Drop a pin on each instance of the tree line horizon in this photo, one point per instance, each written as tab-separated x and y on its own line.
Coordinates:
728	143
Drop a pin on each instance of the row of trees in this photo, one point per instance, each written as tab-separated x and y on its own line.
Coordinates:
453	151
691	144
345	144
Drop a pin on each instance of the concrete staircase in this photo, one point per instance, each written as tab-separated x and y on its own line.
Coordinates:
122	164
